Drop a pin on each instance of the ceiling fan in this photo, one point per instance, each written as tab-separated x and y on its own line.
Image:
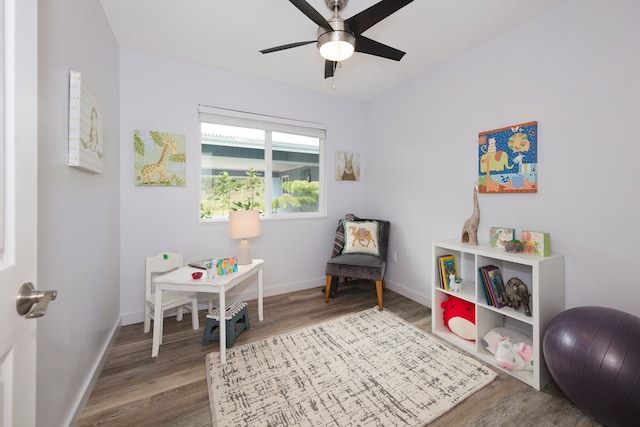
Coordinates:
339	38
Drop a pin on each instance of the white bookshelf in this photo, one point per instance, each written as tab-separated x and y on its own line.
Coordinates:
544	276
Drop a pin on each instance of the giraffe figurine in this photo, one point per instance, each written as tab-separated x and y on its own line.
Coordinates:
148	172
470	228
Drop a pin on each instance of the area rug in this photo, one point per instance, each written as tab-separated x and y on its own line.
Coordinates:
369	368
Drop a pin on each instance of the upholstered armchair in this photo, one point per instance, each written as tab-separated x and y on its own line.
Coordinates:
360	252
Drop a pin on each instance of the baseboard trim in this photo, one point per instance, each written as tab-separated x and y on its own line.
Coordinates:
85	393
409	293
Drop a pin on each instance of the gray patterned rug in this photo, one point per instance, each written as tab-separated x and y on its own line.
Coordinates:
370	368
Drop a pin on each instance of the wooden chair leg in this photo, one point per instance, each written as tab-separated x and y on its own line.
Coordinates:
327	289
379	292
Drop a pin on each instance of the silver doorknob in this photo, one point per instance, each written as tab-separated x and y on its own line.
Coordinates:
31	303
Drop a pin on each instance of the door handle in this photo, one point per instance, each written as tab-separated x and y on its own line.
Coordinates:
31	303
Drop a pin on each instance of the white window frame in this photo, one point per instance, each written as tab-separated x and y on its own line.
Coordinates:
216	115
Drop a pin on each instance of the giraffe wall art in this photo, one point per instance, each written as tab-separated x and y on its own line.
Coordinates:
160	159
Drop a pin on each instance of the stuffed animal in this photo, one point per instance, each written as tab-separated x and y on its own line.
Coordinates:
514	357
511	348
460	317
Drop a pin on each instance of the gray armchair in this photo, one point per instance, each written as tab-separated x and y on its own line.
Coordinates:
359	265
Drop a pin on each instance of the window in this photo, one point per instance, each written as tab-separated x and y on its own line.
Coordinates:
250	161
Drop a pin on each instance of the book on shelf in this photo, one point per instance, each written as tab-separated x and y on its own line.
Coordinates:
487	286
493	285
447	265
483	279
496	283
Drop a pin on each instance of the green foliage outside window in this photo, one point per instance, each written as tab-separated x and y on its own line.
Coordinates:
301	195
224	193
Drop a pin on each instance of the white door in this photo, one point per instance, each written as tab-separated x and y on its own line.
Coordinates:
18	208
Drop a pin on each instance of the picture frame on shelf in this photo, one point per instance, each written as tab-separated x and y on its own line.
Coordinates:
498	236
536	242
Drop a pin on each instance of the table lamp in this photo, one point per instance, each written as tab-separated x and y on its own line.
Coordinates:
243	225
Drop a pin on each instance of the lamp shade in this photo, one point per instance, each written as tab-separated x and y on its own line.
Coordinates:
244	224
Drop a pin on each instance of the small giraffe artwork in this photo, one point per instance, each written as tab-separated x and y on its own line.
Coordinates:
159	158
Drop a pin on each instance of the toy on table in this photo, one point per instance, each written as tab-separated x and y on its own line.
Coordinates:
460	317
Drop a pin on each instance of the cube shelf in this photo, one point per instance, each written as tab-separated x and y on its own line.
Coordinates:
544	277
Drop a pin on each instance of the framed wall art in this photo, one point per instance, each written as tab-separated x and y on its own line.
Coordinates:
347	166
160	158
86	146
508	159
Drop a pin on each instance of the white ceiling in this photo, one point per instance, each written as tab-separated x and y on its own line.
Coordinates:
228	35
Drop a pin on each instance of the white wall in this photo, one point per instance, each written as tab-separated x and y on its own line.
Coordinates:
575	71
163	95
78	222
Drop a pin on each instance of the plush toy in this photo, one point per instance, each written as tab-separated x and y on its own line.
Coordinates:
511	348
514	357
460	317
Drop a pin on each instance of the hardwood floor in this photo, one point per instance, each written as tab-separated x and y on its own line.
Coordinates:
135	389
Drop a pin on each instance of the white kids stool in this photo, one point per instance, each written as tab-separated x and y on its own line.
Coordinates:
235	312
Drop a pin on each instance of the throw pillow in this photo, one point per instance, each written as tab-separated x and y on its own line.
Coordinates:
338	243
361	237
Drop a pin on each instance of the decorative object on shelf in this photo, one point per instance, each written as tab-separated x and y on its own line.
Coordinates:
86	147
593	354
492	338
347	166
470	228
498	236
516	293
455	283
196	275
460	317
536	242
160	159
514	357
514	246
243	225
508	159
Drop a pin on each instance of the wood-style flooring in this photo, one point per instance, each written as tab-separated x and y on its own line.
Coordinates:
135	389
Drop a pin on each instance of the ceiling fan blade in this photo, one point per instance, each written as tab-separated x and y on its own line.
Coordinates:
369	17
286	46
311	13
372	47
329	68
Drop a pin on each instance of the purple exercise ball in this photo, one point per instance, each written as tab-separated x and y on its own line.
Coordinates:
593	354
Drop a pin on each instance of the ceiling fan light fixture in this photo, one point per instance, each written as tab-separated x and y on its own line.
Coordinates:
338	44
